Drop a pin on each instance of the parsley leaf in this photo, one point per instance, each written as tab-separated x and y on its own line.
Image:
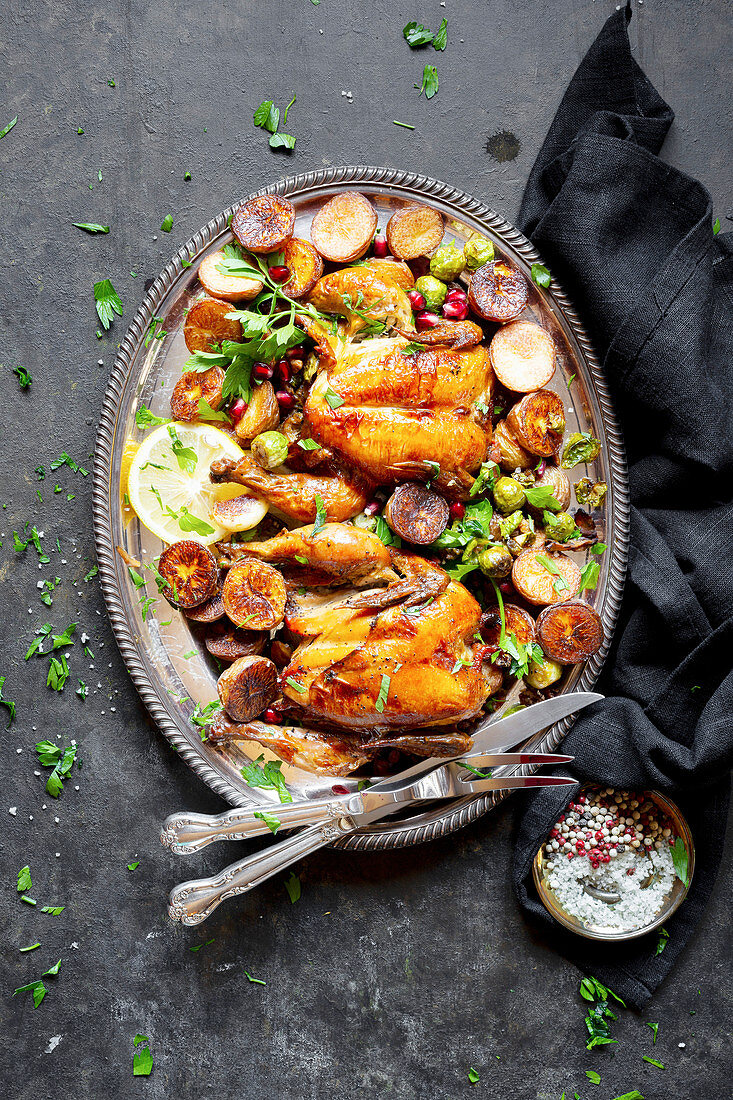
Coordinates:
416	35
142	1059
473	1076
185	456
541	275
320	516
24	880
292	885
441	37
589	576
167	223
58	673
383	692
268	776
559	583
7	703
655	1029
206	411
282	141
267	116
273	824
593	1076
661	941
91	227
108	302
6	129
679	859
542	496
38	990
429	82
23	377
653	1062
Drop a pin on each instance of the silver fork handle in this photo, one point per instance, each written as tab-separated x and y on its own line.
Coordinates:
192	902
185	833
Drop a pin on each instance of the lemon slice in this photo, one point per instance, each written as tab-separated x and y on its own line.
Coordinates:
169	486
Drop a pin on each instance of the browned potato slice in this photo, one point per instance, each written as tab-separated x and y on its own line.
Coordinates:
190	572
247	687
415	230
498	292
264	223
416	513
395	271
261	415
540	585
523	356
254	595
207	324
191	387
343	228
538	422
209	612
229	643
232	288
239	513
511	454
557	480
570	631
305	267
518	622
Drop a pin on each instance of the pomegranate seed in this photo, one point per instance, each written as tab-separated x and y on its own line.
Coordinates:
455	311
426	320
279	273
541	467
295	353
416	299
373	508
285	400
272	715
237	410
284	371
339	788
261	372
505	588
456	295
457	510
380	246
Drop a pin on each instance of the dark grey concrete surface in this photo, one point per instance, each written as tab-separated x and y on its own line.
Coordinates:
393	974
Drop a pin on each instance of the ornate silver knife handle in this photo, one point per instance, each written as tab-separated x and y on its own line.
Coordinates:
192	902
185	833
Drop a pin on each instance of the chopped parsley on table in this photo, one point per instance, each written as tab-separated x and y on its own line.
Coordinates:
429	82
107	302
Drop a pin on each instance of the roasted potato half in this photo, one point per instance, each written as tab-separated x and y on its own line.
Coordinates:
416	513
264	224
207	324
414	230
247	687
570	631
254	595
231	288
344	227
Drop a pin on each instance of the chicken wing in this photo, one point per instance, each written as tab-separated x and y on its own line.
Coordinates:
362	294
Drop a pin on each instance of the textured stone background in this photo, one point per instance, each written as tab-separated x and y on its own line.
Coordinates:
392	973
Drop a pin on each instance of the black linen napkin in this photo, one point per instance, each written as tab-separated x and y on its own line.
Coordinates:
631	240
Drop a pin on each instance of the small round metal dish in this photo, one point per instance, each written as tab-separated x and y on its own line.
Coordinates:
166	660
671	902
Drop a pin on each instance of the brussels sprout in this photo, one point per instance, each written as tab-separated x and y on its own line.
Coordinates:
432	290
542	674
509	525
559	526
365	522
581	447
508	495
269	449
447	262
592	493
495	561
477	252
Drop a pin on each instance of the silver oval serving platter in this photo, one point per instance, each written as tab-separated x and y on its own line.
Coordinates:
154	646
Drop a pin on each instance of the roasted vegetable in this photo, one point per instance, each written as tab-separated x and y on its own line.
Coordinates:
190	572
478	251
239	513
343	228
517	622
498	292
208	323
247	687
523	356
544	578
191	387
232	288
542	674
417	514
559	526
270	449
570	631
580	447
264	224
508	495
261	415
254	595
414	230
512	455
447	262
305	267
495	561
538	422
228	643
432	290
556	479
590	493
211	611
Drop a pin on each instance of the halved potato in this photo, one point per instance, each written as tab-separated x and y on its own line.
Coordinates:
228	643
247	687
414	230
542	585
254	595
498	292
207	324
305	267
512	455
518	622
570	631
231	288
557	480
416	513
523	356
264	224
190	572
343	228
191	387
538	422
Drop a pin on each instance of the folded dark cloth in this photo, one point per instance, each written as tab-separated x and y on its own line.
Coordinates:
631	240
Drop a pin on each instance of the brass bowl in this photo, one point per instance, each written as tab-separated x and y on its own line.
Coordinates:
672	902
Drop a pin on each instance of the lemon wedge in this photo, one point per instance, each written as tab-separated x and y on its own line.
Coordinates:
168	482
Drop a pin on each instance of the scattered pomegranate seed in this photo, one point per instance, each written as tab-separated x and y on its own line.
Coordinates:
455	311
279	273
373	507
380	246
284	371
237	410
456	295
541	467
285	400
339	788
262	372
506	588
272	715
295	353
416	299
457	510
426	320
